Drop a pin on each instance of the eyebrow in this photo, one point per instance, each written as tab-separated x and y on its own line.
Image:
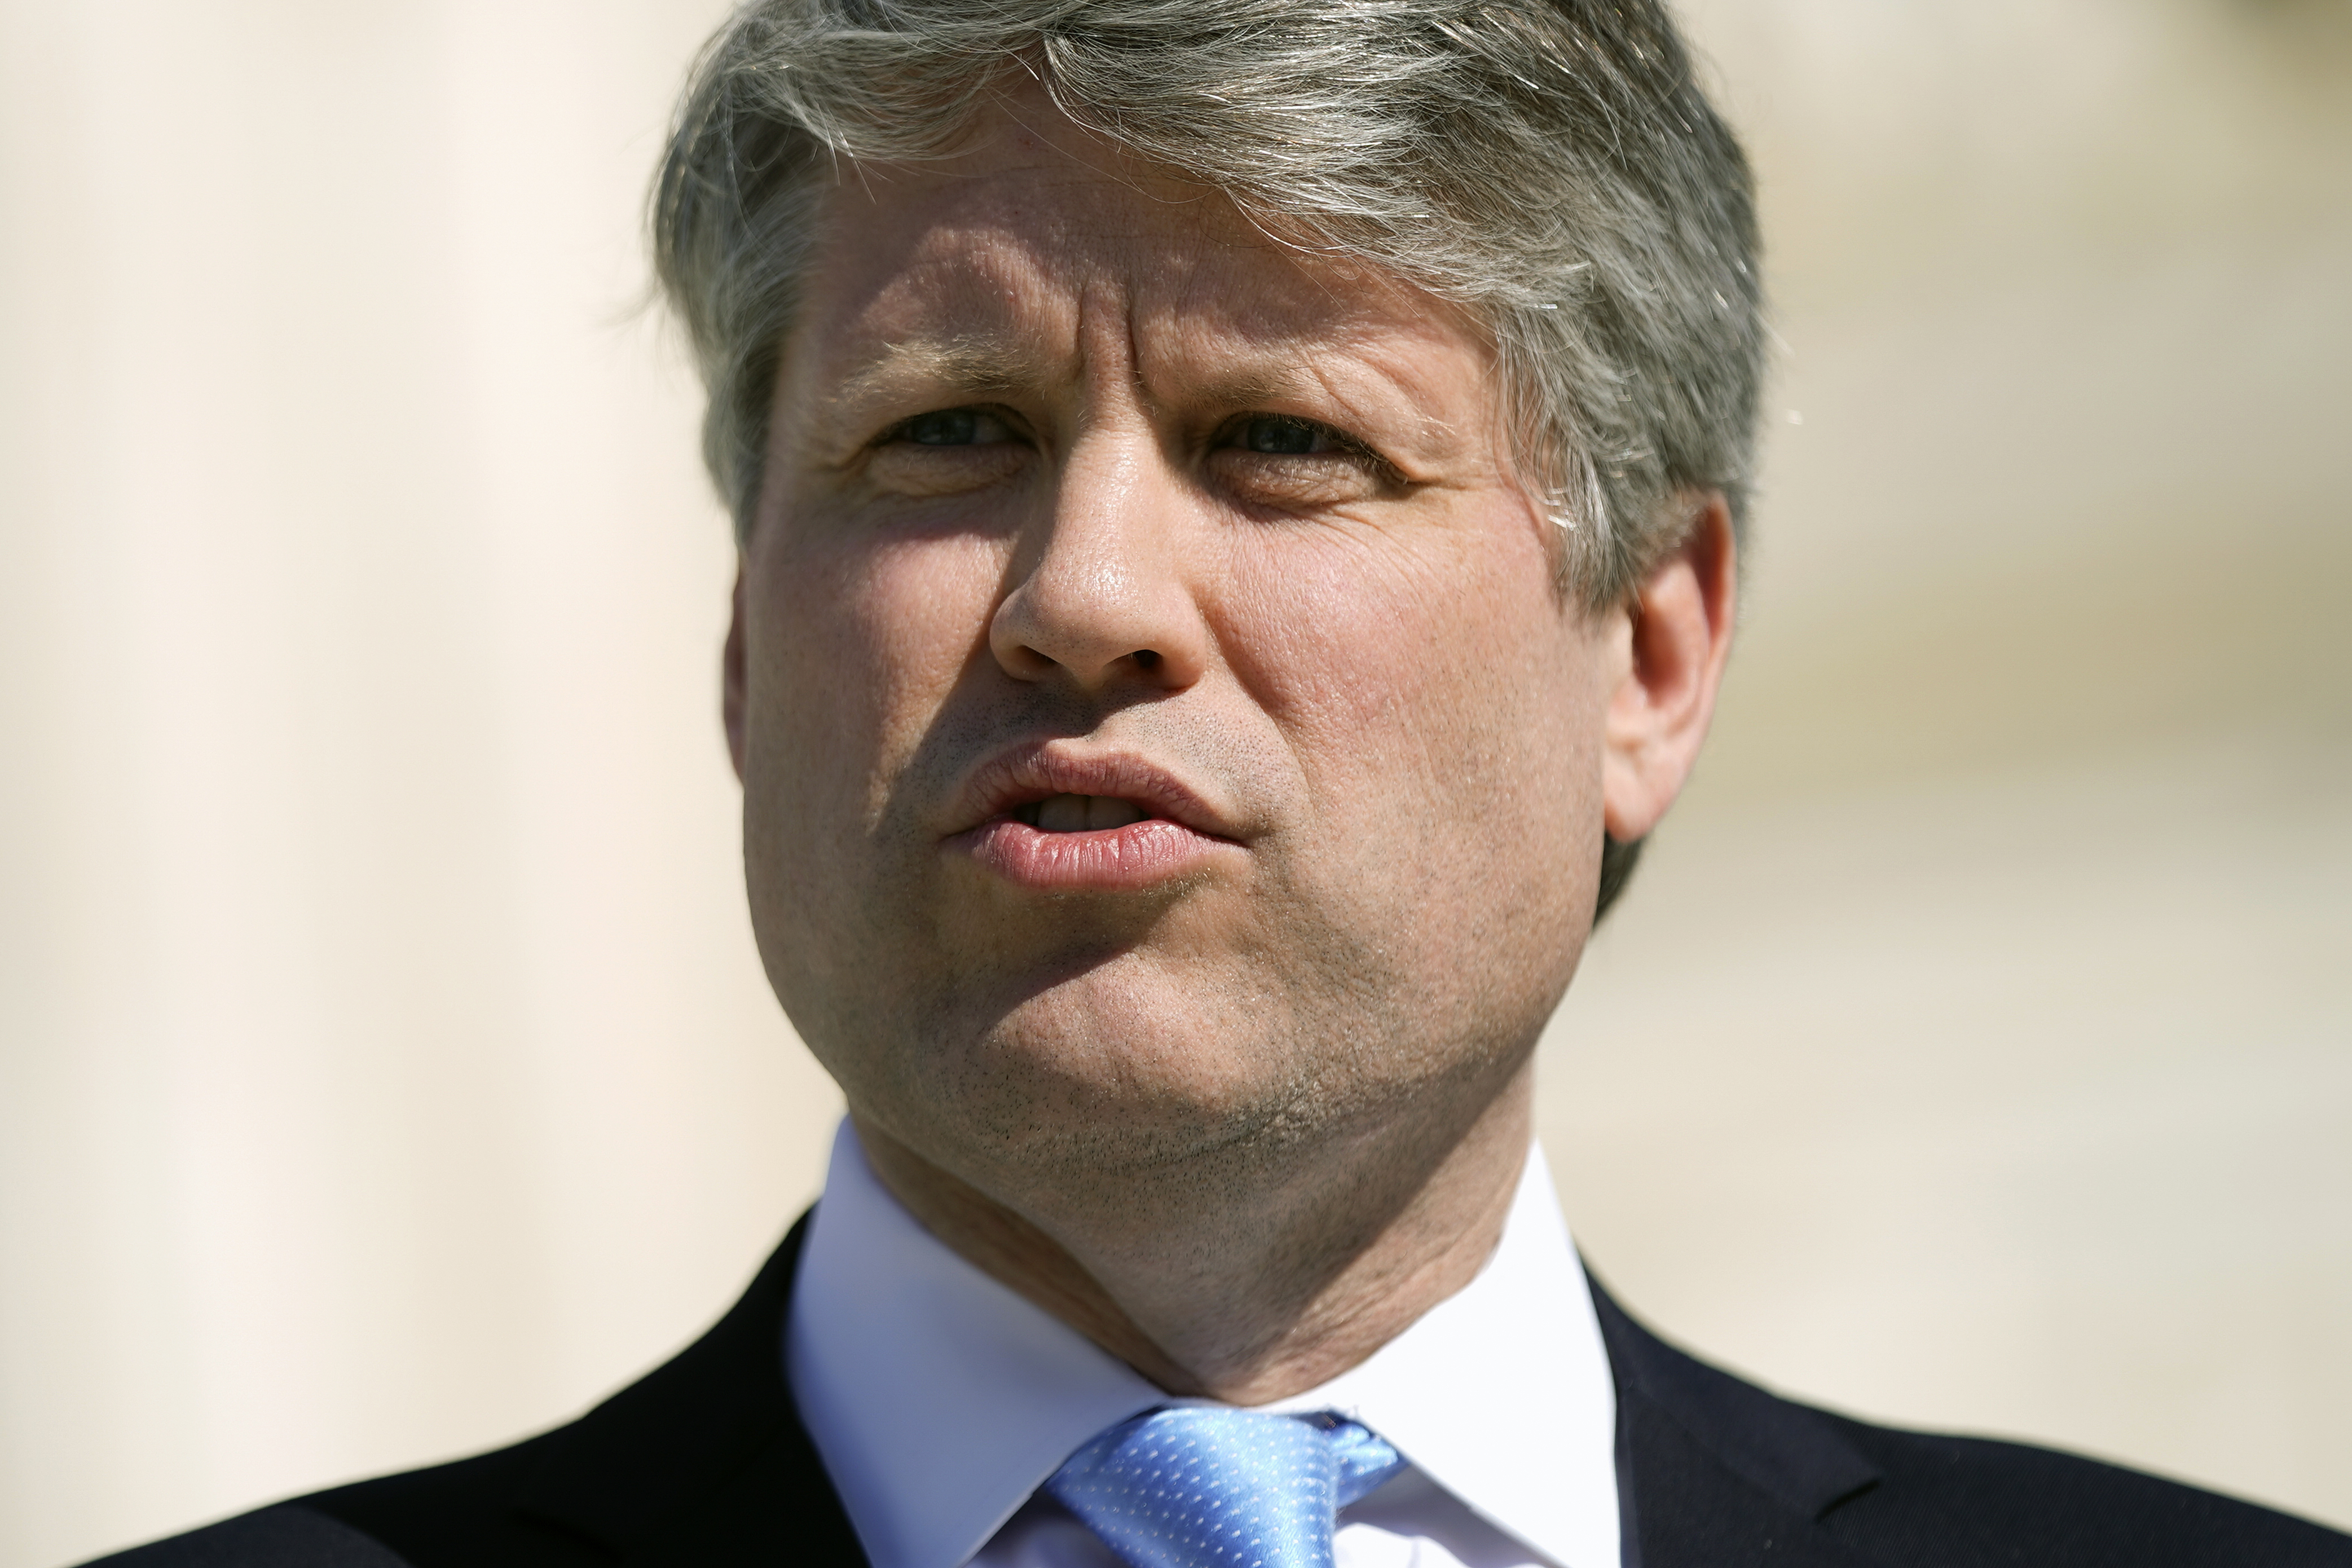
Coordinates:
967	364
982	363
979	365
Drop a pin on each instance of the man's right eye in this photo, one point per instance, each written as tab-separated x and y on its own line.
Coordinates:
948	451
954	428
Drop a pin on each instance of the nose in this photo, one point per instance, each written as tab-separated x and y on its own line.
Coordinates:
1107	597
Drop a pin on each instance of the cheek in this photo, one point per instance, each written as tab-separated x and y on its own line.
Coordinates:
1440	703
1402	675
853	654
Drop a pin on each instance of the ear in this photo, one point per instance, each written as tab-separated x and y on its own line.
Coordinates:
1680	623
731	688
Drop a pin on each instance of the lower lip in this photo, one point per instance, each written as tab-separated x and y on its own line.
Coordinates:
1141	855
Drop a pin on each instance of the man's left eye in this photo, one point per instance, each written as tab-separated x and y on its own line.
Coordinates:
1284	436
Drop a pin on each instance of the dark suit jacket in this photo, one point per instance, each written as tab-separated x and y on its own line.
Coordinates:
704	1464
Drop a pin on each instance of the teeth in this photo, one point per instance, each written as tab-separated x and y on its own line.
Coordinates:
1109	811
1079	813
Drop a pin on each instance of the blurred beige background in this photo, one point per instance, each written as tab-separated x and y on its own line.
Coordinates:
385	1067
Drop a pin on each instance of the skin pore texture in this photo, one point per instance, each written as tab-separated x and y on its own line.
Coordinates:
1174	777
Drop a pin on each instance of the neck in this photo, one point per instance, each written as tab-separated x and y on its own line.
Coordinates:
1315	1265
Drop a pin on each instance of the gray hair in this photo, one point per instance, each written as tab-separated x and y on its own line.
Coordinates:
1549	165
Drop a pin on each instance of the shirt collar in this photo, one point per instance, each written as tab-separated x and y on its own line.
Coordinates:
940	1400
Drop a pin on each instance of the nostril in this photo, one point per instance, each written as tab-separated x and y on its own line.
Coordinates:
1145	659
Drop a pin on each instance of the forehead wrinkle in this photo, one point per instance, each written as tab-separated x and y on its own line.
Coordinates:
1202	348
943	325
1304	334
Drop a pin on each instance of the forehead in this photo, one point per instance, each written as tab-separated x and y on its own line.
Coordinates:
1017	258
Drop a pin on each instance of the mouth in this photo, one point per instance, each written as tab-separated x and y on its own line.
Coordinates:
1078	813
1046	818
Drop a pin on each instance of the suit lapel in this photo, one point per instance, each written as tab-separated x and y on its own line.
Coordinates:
1714	1472
705	1461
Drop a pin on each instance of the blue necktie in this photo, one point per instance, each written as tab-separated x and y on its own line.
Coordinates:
1207	1487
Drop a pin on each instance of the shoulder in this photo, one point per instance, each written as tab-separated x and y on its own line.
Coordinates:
1987	1501
1717	1470
476	1511
704	1461
290	1535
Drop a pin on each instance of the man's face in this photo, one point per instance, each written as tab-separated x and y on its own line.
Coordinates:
1159	723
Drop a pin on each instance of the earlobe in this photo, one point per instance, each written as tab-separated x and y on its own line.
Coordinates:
1679	625
730	690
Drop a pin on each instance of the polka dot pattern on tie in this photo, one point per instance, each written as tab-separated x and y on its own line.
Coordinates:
1205	1488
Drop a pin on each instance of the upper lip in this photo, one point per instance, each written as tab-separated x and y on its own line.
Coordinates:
1040	770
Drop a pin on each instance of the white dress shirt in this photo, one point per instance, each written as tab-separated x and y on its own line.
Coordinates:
940	1400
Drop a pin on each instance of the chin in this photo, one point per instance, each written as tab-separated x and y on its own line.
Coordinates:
1120	1065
